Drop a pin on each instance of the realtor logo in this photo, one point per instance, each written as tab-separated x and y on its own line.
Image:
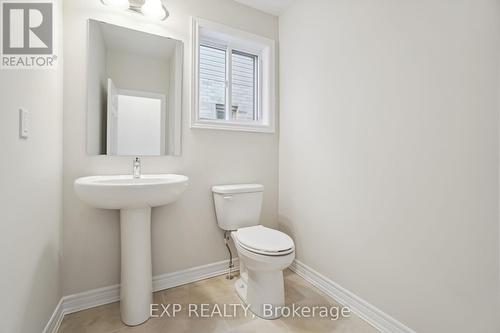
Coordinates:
27	35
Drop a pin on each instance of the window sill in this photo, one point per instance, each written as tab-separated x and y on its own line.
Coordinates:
229	126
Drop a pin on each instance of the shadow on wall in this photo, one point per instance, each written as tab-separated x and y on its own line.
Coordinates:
286	225
230	242
44	292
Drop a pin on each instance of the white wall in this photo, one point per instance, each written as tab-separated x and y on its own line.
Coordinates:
31	196
389	153
185	234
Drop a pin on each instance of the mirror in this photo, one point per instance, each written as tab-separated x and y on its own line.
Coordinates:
134	92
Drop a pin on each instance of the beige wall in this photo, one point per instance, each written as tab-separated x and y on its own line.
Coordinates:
97	86
185	234
389	153
31	195
136	72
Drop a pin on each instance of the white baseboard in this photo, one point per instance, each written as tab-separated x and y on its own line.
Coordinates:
55	320
374	316
90	299
175	279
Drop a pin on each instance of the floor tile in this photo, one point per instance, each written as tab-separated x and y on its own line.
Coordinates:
217	291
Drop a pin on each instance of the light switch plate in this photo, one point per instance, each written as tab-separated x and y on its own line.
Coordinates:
23	123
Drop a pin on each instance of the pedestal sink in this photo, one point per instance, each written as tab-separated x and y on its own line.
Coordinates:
134	197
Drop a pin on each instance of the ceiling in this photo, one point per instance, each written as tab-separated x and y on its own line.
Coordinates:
274	7
121	39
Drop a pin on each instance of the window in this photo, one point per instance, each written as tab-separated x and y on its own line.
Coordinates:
244	86
212	83
233	79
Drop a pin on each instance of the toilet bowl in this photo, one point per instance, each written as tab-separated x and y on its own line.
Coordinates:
263	252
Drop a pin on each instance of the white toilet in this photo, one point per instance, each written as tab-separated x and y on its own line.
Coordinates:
263	253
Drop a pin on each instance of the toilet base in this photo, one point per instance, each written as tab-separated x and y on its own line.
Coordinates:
263	292
241	290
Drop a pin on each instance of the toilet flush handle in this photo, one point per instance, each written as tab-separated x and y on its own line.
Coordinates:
228	197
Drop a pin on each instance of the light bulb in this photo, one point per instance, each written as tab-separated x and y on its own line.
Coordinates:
120	4
155	9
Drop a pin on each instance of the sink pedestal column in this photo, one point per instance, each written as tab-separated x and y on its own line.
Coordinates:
136	271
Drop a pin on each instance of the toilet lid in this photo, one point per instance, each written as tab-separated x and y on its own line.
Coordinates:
263	240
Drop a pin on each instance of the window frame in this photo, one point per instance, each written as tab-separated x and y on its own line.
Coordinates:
225	38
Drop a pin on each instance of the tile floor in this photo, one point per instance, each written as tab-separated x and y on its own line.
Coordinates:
218	290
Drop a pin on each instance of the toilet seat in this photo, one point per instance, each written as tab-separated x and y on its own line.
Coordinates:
265	241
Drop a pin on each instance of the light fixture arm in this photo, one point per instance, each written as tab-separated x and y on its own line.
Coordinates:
164	6
137	6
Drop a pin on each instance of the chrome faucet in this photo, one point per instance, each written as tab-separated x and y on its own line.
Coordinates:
137	168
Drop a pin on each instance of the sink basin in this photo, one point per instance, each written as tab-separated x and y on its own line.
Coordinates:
125	192
134	197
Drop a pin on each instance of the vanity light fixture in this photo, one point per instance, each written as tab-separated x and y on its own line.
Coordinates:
151	8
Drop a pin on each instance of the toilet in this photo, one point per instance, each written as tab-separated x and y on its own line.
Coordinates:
263	253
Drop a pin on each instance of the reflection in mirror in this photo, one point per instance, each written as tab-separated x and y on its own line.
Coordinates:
134	92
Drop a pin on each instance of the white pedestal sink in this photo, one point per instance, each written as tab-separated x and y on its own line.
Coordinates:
134	197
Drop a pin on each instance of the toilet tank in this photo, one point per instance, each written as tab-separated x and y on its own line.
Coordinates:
238	206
